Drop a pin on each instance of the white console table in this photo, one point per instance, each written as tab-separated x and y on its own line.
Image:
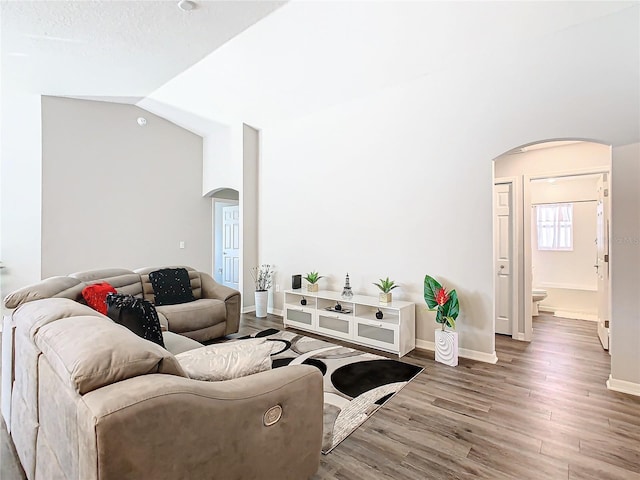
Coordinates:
356	322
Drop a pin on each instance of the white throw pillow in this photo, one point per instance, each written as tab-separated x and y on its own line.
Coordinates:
224	361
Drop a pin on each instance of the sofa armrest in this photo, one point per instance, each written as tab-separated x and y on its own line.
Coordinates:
164	323
231	297
168	427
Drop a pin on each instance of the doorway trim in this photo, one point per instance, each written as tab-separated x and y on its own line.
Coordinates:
516	201
526	220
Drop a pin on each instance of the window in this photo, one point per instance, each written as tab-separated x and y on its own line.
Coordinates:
555	226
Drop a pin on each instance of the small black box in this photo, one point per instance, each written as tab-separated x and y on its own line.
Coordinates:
296	282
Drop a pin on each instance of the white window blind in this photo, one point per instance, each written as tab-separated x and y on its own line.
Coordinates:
555	226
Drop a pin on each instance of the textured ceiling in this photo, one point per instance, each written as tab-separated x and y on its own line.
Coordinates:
113	48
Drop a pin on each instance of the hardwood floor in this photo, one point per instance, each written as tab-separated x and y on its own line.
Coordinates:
542	412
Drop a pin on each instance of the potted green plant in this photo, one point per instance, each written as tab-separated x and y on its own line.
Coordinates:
445	304
262	278
312	279
385	287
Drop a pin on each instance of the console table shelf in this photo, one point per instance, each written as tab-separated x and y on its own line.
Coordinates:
356	322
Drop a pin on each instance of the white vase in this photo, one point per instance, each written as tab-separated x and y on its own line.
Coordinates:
262	298
446	347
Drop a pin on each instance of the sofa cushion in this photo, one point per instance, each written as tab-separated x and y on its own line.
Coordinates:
137	315
123	280
225	361
90	352
32	316
147	288
187	317
171	286
96	295
54	287
177	343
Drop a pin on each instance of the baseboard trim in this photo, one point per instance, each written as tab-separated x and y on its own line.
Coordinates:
623	386
519	336
462	352
589	317
251	309
425	345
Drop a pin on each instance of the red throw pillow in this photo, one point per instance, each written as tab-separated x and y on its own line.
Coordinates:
96	296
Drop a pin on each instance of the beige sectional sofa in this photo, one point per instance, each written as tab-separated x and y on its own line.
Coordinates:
91	400
215	313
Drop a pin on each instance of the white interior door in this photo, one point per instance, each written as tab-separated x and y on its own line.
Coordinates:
231	246
602	259
503	238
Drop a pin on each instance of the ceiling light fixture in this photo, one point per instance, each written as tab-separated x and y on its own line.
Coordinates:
186	5
142	121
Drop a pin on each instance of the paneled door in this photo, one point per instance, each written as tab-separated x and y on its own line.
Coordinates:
503	248
602	259
231	246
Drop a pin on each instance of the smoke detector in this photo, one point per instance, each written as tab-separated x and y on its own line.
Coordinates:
186	5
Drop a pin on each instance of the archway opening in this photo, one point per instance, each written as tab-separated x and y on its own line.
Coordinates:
534	180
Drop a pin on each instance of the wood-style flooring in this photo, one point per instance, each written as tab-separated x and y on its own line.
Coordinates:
542	412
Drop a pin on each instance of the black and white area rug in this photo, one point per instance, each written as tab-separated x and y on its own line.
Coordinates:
356	384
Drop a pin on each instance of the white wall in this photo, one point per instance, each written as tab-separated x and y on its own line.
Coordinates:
218	168
115	194
370	188
20	196
554	161
567	189
625	269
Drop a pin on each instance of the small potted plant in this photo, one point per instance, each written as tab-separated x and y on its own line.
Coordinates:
385	287
262	277
312	279
447	308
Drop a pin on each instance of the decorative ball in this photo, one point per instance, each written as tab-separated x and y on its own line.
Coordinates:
338	307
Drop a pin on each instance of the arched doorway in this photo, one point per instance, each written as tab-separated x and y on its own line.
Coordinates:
532	179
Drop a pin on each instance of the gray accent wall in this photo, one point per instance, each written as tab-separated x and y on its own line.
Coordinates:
115	194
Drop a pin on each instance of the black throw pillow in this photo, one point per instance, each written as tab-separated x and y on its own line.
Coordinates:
171	286
137	314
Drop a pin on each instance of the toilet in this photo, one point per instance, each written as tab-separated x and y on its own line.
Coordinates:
537	295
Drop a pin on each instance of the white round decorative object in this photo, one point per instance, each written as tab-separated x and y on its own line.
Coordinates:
186	5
